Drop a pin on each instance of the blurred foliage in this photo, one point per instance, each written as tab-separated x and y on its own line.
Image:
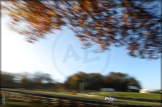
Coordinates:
37	80
95	81
7	78
130	23
92	81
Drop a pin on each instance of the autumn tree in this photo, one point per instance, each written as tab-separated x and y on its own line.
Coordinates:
59	86
134	82
37	80
73	81
131	23
120	81
25	81
7	79
42	80
95	81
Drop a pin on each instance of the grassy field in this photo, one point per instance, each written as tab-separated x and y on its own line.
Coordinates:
117	94
101	95
153	96
132	94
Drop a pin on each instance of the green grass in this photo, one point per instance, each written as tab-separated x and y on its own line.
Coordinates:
153	96
117	94
121	94
132	94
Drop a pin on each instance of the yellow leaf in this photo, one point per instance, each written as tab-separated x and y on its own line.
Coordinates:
98	36
125	18
93	39
79	36
83	25
147	34
97	24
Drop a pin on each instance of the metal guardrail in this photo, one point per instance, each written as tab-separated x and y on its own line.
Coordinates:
66	101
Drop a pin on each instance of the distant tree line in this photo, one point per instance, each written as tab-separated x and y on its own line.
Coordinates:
38	80
92	81
95	81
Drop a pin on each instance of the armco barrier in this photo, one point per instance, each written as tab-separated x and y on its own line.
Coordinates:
69	101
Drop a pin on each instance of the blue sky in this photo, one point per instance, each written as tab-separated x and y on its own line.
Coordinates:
61	54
